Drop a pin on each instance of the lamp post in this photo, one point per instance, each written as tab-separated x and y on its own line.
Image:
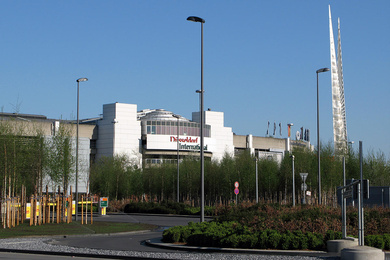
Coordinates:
293	179
318	137
77	144
177	141
288	136
201	21
257	181
361	197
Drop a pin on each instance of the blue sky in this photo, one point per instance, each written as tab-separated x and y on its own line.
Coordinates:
260	59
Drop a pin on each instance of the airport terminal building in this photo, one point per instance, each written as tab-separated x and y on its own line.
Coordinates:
154	136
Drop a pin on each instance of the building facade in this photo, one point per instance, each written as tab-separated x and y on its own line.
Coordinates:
150	137
155	136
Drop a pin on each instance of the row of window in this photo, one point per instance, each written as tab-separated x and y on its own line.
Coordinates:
160	161
170	128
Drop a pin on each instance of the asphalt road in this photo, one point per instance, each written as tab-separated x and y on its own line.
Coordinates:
122	242
131	244
132	241
159	220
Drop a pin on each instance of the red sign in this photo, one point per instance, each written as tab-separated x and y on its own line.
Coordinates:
184	139
236	184
236	191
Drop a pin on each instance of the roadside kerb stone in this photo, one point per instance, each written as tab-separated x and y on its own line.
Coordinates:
159	243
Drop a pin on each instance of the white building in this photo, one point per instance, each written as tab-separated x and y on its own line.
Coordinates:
149	137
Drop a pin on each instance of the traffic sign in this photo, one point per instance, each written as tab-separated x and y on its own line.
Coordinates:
236	191
104	202
236	184
303	176
347	193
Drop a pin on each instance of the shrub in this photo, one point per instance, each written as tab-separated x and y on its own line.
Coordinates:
285	241
195	239
315	241
332	235
386	241
165	208
248	241
267	226
230	241
273	239
169	235
375	241
295	241
262	239
302	240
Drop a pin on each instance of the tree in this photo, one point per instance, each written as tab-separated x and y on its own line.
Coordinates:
60	160
270	178
111	177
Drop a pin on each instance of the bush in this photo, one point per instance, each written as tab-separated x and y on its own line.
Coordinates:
169	235
285	242
195	239
271	227
386	241
375	241
248	241
302	240
233	234
273	239
315	241
165	208
333	235
262	240
231	241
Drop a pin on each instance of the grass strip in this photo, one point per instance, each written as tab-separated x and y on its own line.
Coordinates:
74	228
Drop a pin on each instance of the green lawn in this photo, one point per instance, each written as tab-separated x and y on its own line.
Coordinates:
74	228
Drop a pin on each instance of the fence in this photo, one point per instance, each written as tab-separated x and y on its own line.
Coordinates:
41	209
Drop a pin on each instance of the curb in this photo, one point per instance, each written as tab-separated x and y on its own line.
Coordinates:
160	244
55	253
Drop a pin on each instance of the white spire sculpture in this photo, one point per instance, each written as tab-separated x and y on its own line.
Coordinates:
338	101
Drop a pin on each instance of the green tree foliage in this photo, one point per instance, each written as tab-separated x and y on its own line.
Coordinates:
226	177
60	161
270	180
189	179
27	155
21	158
245	174
376	169
114	177
275	179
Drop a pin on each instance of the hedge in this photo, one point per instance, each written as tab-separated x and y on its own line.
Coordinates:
234	235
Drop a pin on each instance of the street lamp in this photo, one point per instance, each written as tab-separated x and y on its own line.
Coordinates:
178	177
293	179
201	21
288	136
77	143
257	181
318	137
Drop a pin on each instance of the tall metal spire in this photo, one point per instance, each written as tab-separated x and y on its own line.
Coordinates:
341	86
338	101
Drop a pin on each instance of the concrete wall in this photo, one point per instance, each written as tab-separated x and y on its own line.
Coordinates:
221	135
119	132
